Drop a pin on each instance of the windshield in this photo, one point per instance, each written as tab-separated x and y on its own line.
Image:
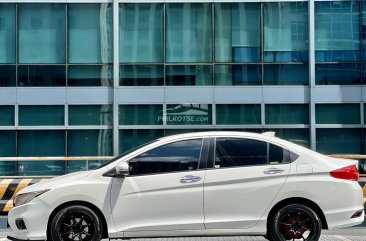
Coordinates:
124	154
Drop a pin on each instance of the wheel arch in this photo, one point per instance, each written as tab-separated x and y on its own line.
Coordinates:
81	203
298	200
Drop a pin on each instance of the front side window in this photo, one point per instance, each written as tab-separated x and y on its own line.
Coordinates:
174	157
235	152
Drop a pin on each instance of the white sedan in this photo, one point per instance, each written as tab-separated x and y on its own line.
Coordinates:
197	184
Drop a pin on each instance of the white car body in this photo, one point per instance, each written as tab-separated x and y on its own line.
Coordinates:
229	201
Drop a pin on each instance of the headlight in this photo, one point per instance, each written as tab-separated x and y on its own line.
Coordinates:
27	197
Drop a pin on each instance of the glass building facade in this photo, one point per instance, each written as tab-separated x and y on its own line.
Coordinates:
96	78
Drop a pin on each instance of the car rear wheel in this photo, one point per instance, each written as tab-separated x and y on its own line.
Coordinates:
294	222
76	223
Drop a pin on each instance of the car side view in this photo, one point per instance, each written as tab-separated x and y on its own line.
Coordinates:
196	184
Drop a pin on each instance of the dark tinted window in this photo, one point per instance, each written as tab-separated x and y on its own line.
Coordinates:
173	157
240	152
231	152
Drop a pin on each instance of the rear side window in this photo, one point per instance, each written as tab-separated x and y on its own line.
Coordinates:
236	152
173	157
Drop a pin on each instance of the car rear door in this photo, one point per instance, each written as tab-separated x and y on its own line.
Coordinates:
164	191
245	177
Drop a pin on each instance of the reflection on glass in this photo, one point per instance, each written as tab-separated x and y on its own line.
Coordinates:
238	114
337	31
129	139
7	33
31	75
286	74
145	75
338	141
287	114
188	30
140	115
7	75
189	114
286	32
33	115
6	115
189	75
90	75
7	149
89	143
337	113
41	33
238	74
338	74
90	115
90	33
33	143
237	32
141	32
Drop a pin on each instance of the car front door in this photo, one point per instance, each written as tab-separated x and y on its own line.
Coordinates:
164	190
246	177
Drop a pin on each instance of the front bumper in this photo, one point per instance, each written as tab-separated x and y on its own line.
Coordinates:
35	215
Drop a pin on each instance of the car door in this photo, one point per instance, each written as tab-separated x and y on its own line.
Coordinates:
164	190
246	177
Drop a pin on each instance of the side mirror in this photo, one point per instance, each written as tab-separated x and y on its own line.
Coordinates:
122	169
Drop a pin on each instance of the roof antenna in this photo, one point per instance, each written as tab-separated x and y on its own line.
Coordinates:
269	133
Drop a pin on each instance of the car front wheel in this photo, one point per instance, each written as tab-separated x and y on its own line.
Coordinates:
294	222
76	223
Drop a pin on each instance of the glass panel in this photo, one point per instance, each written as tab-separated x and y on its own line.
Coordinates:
90	115
363	30
238	114
337	31
7	75
41	115
237	32
129	139
90	75
89	143
140	115
286	32
6	115
90	33
174	157
7	149
7	33
137	75
141	32
287	114
188	32
337	113
41	33
238	74
286	74
338	141
338	74
33	143
41	76
297	136
232	152
189	75
189	114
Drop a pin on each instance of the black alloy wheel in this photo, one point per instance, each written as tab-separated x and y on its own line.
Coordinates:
295	222
76	223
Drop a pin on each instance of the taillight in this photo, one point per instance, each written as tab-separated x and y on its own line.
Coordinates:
347	173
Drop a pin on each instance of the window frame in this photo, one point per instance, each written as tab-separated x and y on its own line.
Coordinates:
212	153
202	160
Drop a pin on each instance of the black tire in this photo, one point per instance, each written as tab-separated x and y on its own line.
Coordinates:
294	222
76	223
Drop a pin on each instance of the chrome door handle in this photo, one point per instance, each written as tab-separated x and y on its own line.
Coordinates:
273	170
190	179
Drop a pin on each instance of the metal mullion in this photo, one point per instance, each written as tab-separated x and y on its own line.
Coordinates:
16	47
115	76
311	34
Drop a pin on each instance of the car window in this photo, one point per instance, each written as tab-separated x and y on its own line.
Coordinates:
236	152
172	157
231	152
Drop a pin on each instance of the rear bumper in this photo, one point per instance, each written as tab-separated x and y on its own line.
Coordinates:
343	219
